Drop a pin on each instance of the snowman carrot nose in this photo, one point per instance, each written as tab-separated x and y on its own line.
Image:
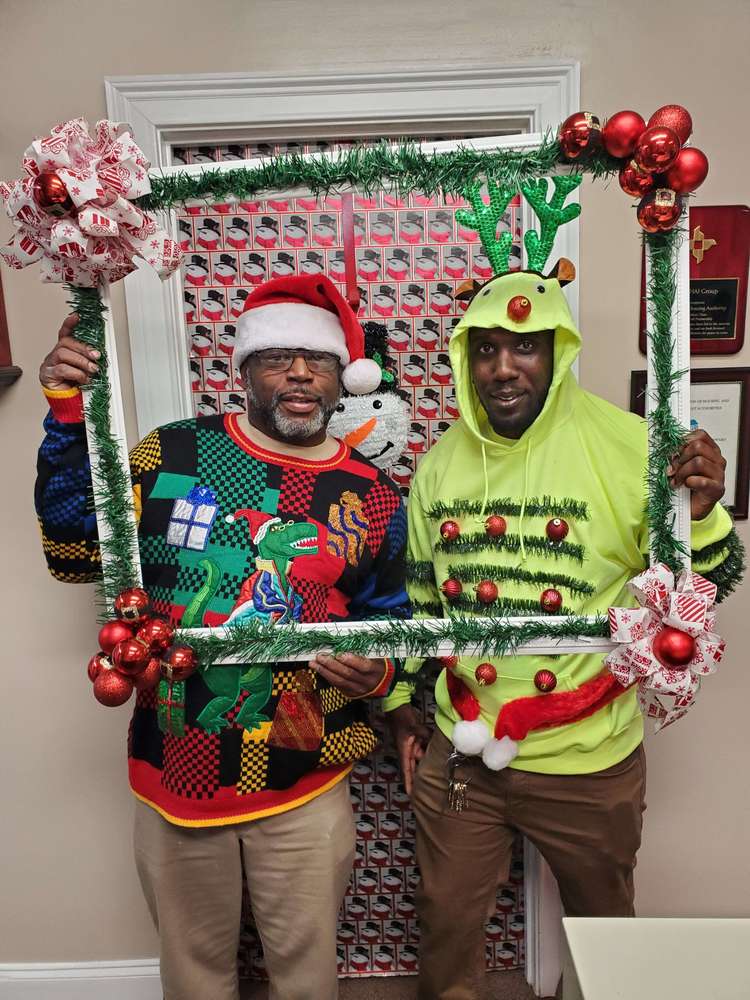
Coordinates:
357	436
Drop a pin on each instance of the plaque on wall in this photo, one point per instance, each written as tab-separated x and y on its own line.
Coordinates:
719	254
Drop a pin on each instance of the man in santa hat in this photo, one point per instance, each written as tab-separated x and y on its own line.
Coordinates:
257	517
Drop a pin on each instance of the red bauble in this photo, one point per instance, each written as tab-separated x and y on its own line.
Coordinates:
495	526
580	135
156	633
149	677
112	688
450	530
557	529
634	181
519	308
485	674
51	195
449	662
688	171
130	656
486	591
551	601
676	117
657	149
673	648
98	662
113	632
545	681
452	588
621	133
178	663
132	605
659	210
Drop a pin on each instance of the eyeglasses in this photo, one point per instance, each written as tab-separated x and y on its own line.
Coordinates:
318	362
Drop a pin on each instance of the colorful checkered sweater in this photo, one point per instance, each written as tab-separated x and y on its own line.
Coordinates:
236	743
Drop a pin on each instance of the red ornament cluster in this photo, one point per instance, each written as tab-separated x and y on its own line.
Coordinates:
657	167
136	651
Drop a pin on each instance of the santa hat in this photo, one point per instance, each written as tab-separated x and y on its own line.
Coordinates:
258	522
306	311
516	719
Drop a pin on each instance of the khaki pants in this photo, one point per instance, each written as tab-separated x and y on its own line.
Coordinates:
297	865
587	827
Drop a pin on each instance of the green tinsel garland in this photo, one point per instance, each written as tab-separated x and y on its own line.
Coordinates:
404	168
254	641
503	606
535	507
479	542
114	497
666	436
728	573
420	571
479	571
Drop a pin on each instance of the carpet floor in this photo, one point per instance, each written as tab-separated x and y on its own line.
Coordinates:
498	986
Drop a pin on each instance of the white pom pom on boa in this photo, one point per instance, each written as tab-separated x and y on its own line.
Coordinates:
470	738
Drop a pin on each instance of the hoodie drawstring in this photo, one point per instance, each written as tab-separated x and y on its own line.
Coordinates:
525	497
485	498
527	463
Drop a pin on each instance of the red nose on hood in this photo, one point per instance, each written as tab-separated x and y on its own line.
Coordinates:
519	308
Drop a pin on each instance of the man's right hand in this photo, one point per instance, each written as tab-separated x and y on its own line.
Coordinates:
411	737
70	364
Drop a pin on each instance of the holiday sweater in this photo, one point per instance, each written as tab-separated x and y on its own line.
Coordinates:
582	461
234	743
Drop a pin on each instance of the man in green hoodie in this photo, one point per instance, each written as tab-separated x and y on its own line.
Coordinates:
532	503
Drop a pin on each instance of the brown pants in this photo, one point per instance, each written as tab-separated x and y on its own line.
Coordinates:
587	827
297	865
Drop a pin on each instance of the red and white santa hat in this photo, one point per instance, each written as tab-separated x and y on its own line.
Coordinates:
306	311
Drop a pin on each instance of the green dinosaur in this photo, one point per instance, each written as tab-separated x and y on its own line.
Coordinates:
267	595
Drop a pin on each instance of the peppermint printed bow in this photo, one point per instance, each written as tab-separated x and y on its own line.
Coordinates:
104	231
688	606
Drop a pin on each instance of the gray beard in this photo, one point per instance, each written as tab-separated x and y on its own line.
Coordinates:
287	427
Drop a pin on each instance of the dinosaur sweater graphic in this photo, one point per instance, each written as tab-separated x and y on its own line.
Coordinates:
237	750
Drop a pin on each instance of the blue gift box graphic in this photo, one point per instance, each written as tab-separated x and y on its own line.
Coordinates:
191	519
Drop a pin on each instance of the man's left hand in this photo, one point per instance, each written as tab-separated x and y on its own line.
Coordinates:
354	675
700	466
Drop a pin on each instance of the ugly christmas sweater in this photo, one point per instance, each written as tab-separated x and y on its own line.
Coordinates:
229	530
561	510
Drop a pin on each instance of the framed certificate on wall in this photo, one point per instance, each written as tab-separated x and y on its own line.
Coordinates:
718	405
719	256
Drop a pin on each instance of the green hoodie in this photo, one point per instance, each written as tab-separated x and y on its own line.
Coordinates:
582	460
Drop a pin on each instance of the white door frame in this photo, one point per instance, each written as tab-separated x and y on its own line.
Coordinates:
168	111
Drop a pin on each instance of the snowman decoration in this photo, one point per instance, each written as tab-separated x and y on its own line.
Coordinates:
377	423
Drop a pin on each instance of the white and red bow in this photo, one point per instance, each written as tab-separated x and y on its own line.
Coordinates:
688	607
103	231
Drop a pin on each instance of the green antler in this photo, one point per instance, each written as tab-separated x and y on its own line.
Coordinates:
551	215
484	220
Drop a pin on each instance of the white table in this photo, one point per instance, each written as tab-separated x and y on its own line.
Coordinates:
656	959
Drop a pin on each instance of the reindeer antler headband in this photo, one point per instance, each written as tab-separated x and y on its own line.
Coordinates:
551	214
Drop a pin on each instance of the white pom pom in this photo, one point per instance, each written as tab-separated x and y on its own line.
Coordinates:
361	376
497	754
470	738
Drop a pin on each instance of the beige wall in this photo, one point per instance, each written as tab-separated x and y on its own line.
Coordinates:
69	888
